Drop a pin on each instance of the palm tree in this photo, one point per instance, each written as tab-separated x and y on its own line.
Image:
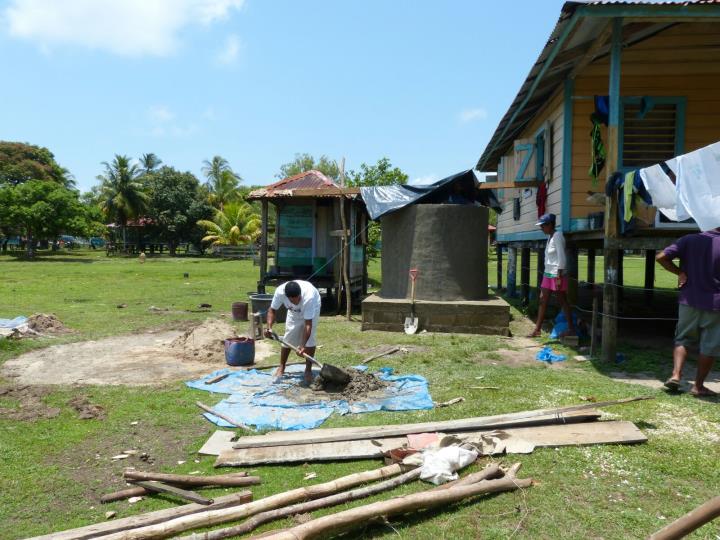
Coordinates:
222	181
122	195
235	224
149	162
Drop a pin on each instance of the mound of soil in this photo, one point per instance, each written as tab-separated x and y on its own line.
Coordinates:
46	324
204	343
85	409
25	403
360	386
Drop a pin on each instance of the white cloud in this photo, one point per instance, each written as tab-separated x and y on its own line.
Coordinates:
471	115
230	51
123	27
424	180
160	113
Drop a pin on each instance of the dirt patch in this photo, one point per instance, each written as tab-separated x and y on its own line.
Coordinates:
47	324
25	403
204	343
653	381
85	409
133	360
362	386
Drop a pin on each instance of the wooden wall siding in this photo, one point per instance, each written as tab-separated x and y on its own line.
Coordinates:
528	216
683	61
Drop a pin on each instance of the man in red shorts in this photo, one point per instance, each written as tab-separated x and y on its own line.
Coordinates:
554	278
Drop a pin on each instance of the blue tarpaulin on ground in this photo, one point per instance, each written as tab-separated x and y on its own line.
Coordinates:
256	400
13	323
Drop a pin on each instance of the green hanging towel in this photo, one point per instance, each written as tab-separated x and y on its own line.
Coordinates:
597	149
628	186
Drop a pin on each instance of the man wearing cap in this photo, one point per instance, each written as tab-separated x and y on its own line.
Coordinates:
302	301
554	278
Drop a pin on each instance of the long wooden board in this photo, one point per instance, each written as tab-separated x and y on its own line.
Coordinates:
150	518
521	440
283	438
222	440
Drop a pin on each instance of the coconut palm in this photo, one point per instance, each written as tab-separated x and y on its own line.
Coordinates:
222	181
149	162
122	195
237	223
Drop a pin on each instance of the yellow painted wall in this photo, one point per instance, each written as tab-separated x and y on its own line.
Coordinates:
682	61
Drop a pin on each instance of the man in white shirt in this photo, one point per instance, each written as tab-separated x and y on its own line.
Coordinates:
302	301
554	278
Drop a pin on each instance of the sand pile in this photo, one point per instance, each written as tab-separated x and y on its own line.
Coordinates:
46	324
361	385
204	342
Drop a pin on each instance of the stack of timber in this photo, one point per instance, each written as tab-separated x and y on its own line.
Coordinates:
563	426
163	524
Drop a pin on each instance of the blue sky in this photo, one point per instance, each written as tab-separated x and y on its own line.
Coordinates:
256	81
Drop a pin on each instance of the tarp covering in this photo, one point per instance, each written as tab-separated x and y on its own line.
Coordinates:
13	323
456	189
255	400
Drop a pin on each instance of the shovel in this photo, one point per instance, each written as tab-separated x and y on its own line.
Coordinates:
330	373
411	322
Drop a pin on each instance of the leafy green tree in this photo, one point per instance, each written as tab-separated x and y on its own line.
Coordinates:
380	174
236	224
149	162
222	181
305	162
123	195
176	205
22	162
41	210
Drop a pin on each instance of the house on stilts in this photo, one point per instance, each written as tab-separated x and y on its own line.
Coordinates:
618	86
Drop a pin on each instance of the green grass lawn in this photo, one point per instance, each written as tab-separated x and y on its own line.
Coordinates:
52	471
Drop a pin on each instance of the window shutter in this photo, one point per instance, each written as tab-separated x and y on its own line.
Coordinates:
648	138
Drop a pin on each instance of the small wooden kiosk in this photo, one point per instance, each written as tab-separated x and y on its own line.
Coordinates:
308	237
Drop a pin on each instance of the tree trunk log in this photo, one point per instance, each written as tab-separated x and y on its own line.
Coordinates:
206	519
303	508
327	526
123	494
239	479
690	521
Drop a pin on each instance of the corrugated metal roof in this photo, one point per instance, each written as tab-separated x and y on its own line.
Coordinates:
543	81
286	187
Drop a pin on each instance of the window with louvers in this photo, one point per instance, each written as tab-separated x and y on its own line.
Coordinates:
650	139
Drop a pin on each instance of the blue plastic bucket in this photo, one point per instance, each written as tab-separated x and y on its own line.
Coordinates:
239	351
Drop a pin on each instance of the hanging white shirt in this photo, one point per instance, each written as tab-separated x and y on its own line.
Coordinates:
555	254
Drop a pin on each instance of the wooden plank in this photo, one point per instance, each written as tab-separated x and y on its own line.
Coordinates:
543	416
150	518
517	440
218	441
159	487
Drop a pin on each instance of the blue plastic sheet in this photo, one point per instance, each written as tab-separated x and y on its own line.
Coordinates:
547	355
561	326
13	323
256	400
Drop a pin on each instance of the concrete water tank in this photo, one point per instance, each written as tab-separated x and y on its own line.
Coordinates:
447	243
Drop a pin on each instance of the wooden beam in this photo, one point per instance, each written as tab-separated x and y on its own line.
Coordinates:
649	275
540	269
511	270
683	526
263	244
572	274
591	266
525	276
160	487
499	252
594	49
609	326
371	432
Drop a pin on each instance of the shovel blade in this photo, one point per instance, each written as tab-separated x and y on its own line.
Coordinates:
335	374
411	325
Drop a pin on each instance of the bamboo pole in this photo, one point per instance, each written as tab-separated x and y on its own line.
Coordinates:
690	521
216	517
108	527
326	526
306	507
235	423
345	246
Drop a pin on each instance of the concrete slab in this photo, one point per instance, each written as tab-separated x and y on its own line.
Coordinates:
491	316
